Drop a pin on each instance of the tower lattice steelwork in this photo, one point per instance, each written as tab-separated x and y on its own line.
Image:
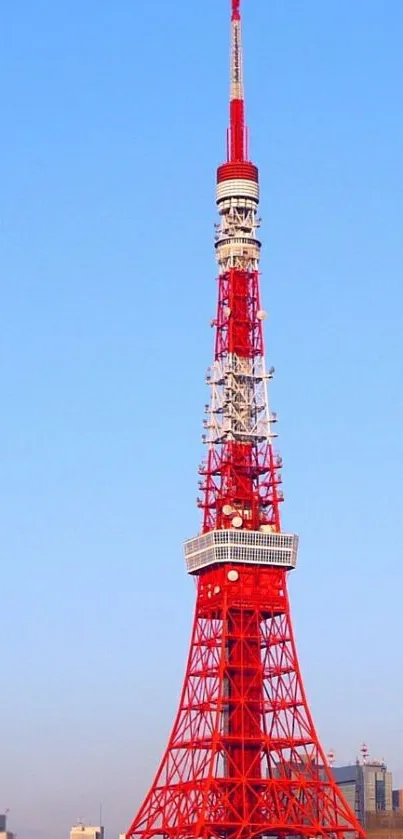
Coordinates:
243	759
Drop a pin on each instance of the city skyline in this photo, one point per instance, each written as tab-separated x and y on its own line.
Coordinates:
93	274
95	828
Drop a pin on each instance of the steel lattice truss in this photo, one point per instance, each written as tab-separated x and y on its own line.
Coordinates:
243	759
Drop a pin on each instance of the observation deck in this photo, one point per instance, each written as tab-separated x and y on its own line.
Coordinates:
249	547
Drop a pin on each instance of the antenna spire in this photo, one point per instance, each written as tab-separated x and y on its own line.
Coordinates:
237	145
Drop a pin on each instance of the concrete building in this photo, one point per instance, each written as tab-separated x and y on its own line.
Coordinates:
350	779
4	833
377	787
367	786
86	831
397	800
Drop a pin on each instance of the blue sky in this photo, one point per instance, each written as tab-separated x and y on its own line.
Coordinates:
113	120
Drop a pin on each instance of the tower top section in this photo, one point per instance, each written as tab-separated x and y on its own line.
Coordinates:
237	166
236	15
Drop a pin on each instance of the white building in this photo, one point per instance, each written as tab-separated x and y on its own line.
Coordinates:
4	833
86	831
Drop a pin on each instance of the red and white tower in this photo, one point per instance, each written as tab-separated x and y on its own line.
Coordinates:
243	759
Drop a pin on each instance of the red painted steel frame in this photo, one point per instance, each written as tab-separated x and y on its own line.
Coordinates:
243	759
240	474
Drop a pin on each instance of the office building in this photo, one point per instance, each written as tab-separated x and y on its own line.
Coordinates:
85	831
367	786
377	787
397	800
4	833
351	781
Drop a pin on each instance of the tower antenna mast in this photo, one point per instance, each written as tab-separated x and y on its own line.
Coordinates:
237	145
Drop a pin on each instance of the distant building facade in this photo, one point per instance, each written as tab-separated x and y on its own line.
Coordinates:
397	799
86	831
377	787
367	787
350	779
4	833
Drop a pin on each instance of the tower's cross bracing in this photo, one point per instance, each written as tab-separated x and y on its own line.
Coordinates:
243	760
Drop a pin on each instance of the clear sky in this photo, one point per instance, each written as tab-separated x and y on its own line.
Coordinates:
113	120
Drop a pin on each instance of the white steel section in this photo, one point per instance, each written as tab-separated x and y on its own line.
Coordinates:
250	547
234	252
238	187
237	244
238	408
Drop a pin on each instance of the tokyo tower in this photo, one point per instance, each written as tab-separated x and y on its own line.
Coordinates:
243	759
